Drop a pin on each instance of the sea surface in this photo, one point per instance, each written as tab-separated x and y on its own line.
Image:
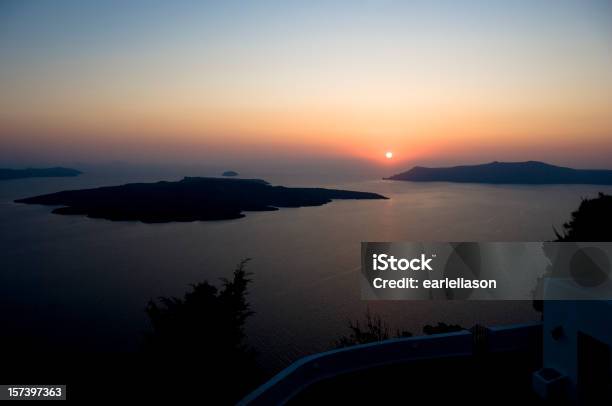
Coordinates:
70	283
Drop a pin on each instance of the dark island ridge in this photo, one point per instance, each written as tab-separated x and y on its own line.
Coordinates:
190	199
6	174
530	172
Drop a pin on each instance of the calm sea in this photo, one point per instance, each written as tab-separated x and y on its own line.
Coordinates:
73	283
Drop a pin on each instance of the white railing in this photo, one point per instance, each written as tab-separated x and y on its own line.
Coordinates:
317	367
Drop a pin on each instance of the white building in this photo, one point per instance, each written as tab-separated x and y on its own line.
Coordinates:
577	354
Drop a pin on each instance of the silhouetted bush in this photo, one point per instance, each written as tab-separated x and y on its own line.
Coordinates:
375	329
591	222
442	328
205	330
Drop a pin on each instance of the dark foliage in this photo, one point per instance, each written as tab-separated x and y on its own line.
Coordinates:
205	331
442	328
374	329
591	222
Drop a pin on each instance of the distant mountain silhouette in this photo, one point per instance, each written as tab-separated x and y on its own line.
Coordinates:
530	172
190	199
6	174
229	173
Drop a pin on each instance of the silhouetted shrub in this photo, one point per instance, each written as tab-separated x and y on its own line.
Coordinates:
375	329
591	222
205	330
441	328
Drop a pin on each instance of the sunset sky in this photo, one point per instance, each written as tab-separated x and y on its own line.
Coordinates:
432	81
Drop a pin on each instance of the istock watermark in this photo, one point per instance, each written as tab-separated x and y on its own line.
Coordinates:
486	271
382	262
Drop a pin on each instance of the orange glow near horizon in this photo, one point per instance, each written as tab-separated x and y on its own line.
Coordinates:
448	85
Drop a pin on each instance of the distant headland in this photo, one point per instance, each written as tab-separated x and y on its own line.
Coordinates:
530	172
190	199
229	173
6	174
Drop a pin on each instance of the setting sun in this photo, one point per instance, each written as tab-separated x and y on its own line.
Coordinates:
389	155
